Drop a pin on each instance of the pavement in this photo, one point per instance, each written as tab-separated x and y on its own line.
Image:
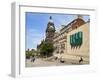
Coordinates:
39	62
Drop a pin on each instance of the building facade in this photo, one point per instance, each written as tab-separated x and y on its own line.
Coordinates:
72	41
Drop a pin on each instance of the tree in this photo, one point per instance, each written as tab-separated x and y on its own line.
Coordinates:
46	49
30	53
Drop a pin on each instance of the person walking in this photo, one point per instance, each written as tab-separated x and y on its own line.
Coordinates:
81	60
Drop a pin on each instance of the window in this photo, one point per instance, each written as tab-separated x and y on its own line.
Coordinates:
76	39
73	40
70	39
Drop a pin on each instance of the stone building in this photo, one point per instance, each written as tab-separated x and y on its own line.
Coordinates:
72	41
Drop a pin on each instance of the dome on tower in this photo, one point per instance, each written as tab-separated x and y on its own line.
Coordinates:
50	31
50	25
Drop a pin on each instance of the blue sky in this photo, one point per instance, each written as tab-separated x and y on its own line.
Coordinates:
36	24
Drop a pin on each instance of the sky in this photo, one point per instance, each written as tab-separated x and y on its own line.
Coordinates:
36	24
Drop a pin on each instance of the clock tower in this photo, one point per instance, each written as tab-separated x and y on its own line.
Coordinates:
50	31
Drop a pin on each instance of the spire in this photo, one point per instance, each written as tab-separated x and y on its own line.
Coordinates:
50	19
50	25
50	30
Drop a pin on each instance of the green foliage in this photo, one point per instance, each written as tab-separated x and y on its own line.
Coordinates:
46	49
30	53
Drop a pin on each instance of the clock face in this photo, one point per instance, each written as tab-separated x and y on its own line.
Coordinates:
51	26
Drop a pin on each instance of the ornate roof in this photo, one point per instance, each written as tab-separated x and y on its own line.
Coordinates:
75	23
50	25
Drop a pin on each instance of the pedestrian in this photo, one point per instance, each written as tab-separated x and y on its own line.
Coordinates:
56	58
32	58
61	60
81	60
